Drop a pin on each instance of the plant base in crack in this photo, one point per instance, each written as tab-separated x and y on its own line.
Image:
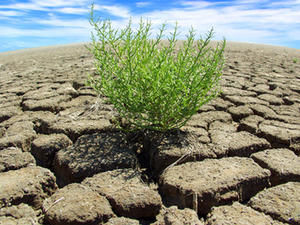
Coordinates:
154	83
148	143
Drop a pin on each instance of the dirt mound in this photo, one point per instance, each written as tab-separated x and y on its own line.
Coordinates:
235	162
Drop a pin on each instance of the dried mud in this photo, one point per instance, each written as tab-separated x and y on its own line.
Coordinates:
237	161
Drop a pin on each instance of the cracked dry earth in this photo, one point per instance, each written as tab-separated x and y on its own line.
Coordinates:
236	162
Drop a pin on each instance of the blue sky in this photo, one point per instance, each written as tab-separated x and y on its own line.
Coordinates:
34	23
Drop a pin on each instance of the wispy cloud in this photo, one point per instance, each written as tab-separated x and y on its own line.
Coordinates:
114	10
142	4
239	21
23	6
44	33
78	23
11	13
261	21
45	5
198	5
59	3
73	10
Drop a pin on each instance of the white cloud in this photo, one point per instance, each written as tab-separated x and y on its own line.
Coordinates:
241	20
234	22
73	10
198	4
286	3
243	34
79	23
59	3
250	1
46	5
23	6
142	4
9	32
114	10
10	13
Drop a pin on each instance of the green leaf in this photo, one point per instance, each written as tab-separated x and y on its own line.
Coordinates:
154	84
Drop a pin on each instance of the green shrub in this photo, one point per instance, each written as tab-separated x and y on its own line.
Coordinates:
154	84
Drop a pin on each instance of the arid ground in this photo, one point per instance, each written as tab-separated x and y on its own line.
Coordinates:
63	163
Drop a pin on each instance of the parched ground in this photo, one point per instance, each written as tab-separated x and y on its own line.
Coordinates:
62	162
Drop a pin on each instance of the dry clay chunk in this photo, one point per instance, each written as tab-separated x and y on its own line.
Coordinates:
19	134
44	147
250	123
127	194
174	146
224	137
175	216
14	158
50	104
92	154
239	112
205	118
122	221
76	204
238	214
281	202
279	133
76	128
30	185
244	100
213	182
237	143
18	215
283	164
8	112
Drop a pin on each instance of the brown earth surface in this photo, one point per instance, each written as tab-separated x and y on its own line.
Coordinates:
237	161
